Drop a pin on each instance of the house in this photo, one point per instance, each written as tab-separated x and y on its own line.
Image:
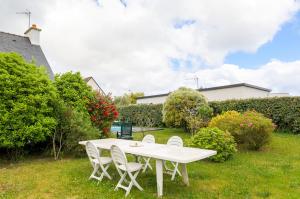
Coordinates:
92	83
28	46
220	93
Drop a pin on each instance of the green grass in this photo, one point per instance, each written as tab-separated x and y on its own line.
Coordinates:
271	173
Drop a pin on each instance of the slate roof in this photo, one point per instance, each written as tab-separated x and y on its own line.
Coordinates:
215	88
21	44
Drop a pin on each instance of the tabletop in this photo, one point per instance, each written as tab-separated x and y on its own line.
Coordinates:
157	151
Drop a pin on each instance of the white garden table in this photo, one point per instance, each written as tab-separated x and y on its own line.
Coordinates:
159	152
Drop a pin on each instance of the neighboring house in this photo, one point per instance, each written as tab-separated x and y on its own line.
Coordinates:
28	46
92	83
220	93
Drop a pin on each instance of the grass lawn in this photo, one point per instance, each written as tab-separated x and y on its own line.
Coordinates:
271	173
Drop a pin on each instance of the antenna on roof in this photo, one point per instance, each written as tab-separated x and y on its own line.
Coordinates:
196	79
28	13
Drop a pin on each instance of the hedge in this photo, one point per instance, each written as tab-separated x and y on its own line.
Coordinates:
139	114
284	111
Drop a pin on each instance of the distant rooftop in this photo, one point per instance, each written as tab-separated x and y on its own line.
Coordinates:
215	88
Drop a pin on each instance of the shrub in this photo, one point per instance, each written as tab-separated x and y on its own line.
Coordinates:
251	128
73	90
141	114
102	112
228	121
284	111
26	94
182	104
214	139
256	130
81	128
72	126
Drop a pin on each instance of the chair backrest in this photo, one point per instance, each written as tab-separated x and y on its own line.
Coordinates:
118	156
92	152
126	129
175	141
149	139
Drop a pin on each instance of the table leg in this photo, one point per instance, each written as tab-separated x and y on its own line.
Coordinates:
159	177
185	176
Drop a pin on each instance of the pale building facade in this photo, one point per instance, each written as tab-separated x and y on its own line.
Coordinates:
220	93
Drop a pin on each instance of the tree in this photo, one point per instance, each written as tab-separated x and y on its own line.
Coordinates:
26	97
183	104
127	99
73	90
73	121
122	100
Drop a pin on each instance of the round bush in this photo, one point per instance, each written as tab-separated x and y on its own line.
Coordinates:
214	139
250	129
228	121
256	130
181	105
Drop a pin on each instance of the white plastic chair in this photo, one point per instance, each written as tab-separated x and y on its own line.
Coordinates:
125	168
147	139
97	162
173	141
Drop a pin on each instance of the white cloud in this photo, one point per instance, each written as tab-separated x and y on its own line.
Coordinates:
128	48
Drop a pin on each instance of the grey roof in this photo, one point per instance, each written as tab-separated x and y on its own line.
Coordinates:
21	44
215	88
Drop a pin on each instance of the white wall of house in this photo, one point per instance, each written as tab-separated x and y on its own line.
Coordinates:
279	95
152	100
94	85
241	92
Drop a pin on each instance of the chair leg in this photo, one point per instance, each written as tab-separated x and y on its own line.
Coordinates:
133	177
121	180
147	164
96	169
104	171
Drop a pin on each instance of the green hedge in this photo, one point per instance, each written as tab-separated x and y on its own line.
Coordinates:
284	111
141	113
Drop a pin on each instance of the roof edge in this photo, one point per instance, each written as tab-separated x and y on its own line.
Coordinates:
214	88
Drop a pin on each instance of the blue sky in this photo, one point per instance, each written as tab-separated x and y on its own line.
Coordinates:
285	46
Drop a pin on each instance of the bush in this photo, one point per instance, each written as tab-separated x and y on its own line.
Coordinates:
102	112
256	130
142	113
251	128
228	121
71	112
214	139
26	94
81	128
284	111
73	90
181	104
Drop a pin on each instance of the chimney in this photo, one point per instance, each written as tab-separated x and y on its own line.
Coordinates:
33	33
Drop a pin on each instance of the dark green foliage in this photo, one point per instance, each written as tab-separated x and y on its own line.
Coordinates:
73	90
214	139
26	95
284	111
142	113
73	120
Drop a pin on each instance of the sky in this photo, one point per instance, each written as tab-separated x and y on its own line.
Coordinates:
155	46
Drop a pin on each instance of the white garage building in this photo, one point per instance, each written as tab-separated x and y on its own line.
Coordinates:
220	93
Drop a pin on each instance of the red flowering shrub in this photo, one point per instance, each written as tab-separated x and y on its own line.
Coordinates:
102	112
